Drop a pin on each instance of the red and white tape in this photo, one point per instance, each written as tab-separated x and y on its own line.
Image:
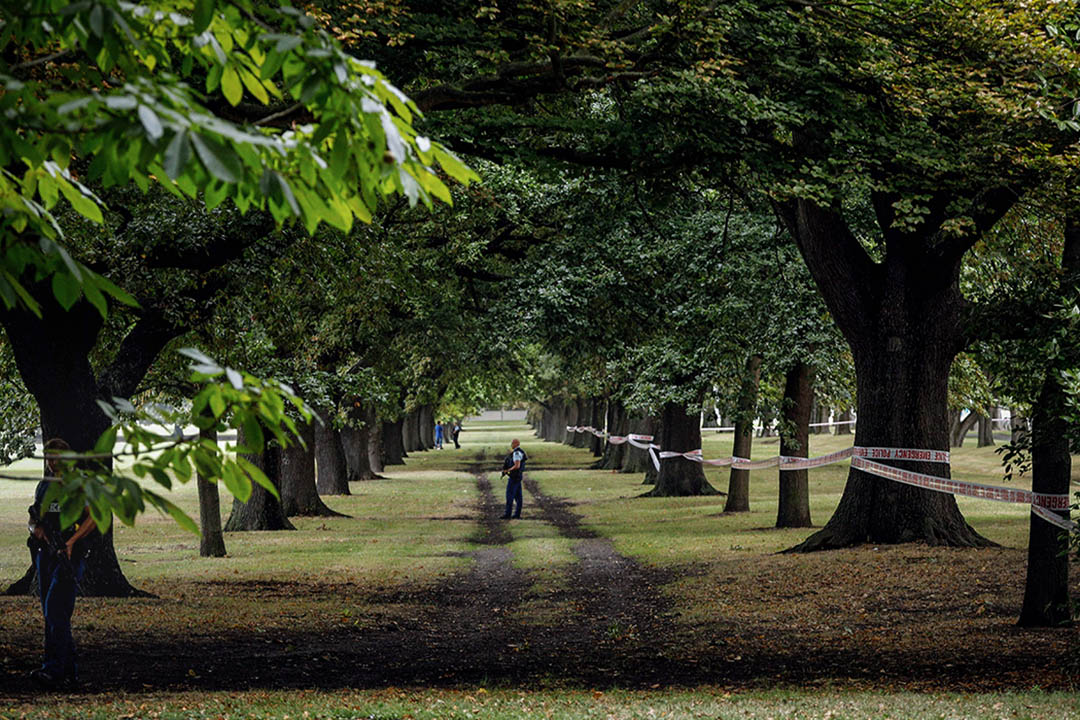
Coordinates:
865	459
996	493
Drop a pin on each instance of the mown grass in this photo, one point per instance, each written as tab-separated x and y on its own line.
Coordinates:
482	704
416	527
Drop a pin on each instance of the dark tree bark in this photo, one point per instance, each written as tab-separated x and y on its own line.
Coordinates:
262	511
571	420
52	355
426	419
962	428
393	443
331	473
636	460
410	432
581	440
1046	590
212	541
299	496
1018	426
597	409
794	504
901	318
618	424
843	419
678	477
374	441
738	497
986	432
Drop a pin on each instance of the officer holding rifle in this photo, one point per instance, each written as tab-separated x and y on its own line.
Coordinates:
60	558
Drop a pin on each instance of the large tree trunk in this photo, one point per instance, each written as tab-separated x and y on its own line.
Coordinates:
299	496
374	441
331	473
426	419
738	497
962	428
262	511
618	424
410	432
678	477
636	460
393	442
357	445
212	540
986	432
794	505
570	419
1018	426
843	426
596	444
1046	591
52	355
581	440
901	318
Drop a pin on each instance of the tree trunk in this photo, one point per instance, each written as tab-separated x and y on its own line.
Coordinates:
962	428
636	460
298	493
678	477
356	442
1046	591
901	318
581	440
212	541
794	505
374	441
843	426
331	473
52	355
618	424
410	432
426	419
986	432
570	420
597	409
393	443
738	497
1018	426
262	511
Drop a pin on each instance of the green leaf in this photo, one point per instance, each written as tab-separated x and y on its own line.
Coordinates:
253	434
66	289
204	14
106	442
80	202
454	167
177	154
231	86
220	161
150	122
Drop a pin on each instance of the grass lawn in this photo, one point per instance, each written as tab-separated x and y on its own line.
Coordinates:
598	603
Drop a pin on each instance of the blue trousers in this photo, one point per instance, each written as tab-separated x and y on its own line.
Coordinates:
513	494
57	583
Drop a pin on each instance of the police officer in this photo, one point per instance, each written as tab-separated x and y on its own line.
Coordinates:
513	469
59	556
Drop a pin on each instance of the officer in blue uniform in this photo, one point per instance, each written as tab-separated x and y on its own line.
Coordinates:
60	559
513	469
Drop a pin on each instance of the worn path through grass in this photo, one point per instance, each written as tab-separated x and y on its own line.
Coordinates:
596	589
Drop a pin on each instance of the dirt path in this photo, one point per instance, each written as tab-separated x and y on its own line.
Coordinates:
844	618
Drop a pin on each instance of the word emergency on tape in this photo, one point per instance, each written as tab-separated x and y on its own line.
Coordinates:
865	459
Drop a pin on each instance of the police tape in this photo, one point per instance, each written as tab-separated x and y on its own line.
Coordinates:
864	458
1041	503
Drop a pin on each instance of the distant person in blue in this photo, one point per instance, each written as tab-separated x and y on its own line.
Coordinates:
60	559
438	435
514	469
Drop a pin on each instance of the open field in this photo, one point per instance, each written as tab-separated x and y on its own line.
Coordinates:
597	604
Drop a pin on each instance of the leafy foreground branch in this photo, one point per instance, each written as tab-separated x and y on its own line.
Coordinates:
229	399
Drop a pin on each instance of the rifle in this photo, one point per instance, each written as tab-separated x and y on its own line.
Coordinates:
50	544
